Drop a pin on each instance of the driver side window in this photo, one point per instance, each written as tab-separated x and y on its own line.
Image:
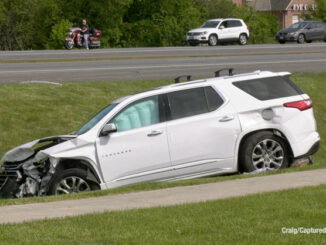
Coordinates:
142	113
225	24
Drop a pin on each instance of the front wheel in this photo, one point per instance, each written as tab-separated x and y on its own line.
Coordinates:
69	44
301	39
243	39
263	150
73	180
212	40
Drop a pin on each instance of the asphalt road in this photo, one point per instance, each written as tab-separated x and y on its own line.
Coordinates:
157	63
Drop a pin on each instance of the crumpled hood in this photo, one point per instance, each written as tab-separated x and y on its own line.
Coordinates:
201	30
22	152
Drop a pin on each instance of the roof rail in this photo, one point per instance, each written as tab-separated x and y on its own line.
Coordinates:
177	79
217	73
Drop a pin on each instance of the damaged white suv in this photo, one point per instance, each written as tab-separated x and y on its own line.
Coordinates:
185	130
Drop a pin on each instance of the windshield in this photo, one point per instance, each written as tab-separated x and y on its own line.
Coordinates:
210	24
298	25
91	123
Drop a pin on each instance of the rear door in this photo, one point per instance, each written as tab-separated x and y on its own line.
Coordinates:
320	31
202	131
311	32
235	28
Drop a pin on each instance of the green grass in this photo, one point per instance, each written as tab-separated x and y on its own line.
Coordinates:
31	111
255	219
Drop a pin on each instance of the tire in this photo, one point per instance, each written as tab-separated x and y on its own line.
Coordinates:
261	150
301	38
243	39
212	40
69	45
73	180
281	42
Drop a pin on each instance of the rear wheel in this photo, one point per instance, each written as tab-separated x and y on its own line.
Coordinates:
73	180
212	40
301	39
263	150
243	39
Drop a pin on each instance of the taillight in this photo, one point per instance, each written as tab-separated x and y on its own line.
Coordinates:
301	104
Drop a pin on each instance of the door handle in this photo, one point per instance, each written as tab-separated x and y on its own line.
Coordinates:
154	133
226	118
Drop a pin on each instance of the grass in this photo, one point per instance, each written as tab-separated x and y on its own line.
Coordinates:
31	111
145	57
255	219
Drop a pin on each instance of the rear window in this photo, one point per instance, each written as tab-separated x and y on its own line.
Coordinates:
269	88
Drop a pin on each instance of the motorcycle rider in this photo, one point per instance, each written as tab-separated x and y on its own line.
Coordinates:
85	31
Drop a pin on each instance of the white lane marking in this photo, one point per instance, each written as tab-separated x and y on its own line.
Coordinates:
40	82
164	66
19	53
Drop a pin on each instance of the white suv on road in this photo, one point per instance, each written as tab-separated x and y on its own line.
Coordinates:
219	30
185	130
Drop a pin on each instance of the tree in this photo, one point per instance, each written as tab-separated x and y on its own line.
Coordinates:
159	23
217	8
318	13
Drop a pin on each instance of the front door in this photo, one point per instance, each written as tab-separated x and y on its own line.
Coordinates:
224	31
202	133
138	151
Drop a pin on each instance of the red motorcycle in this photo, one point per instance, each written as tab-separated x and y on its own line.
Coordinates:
76	39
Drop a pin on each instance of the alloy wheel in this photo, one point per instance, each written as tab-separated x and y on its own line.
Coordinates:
243	39
212	40
301	38
268	153
71	184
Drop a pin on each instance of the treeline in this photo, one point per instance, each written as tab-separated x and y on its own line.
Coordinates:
42	24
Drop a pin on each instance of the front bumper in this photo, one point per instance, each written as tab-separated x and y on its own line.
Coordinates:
286	38
197	39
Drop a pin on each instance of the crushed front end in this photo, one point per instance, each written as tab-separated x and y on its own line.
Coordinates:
26	170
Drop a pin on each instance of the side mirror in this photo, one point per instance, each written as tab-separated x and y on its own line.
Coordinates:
221	27
108	128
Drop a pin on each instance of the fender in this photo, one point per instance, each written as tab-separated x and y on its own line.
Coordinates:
275	130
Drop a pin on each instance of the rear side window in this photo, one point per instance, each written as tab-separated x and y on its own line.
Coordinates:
269	88
234	23
192	102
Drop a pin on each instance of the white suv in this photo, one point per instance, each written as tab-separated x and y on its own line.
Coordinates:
185	130
219	30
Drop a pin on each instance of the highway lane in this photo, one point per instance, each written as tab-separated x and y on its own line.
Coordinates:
157	63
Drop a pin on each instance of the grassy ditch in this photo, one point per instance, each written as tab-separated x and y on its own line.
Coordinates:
31	111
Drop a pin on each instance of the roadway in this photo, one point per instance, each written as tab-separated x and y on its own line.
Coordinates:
157	63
